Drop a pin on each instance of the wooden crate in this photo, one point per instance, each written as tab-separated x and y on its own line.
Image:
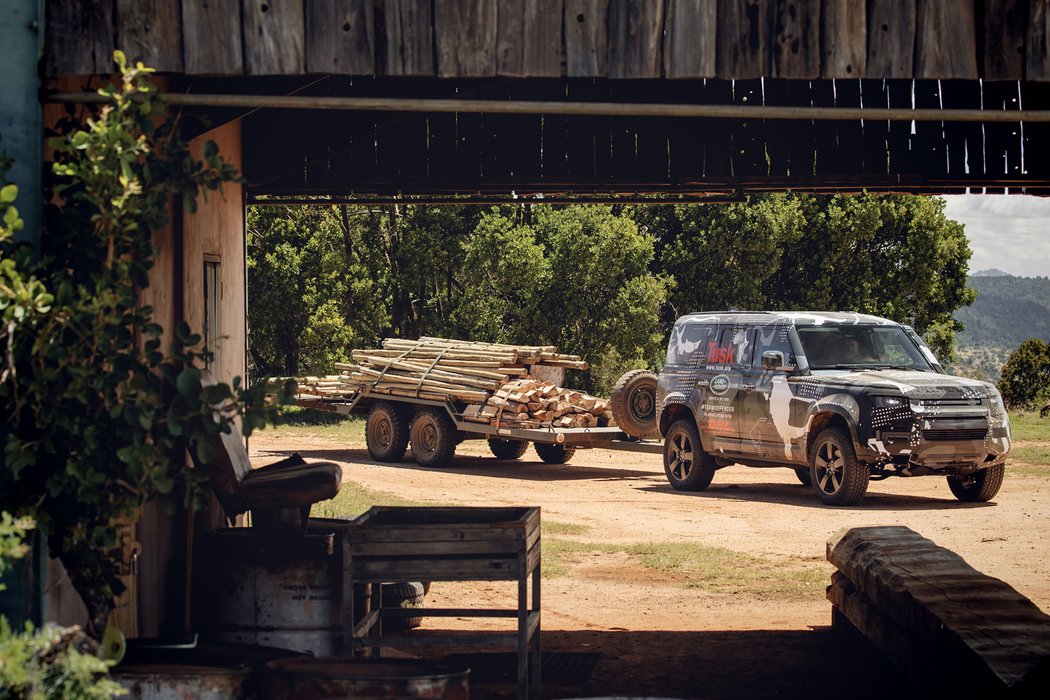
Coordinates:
389	544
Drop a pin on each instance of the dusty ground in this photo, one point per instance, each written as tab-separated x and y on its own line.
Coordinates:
656	635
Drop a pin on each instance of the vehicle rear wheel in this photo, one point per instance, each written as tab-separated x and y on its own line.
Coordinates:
633	404
980	486
554	454
686	465
838	478
804	476
386	432
508	449
433	436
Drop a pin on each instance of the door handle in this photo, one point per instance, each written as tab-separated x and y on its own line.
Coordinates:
749	387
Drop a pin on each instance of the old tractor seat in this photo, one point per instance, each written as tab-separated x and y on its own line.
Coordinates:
269	491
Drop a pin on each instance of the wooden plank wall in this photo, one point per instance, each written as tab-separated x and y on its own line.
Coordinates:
728	39
374	152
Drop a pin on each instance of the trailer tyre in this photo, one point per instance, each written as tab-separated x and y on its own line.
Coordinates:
508	449
386	432
633	404
433	436
554	454
408	594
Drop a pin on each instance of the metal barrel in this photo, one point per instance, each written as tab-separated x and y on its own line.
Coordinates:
278	592
341	679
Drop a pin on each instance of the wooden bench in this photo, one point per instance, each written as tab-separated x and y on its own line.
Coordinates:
939	620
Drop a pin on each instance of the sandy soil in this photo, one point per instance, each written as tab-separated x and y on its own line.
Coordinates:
655	635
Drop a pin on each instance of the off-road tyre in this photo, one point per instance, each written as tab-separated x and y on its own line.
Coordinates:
838	478
554	454
686	465
407	594
386	432
633	404
978	487
508	449
433	437
804	476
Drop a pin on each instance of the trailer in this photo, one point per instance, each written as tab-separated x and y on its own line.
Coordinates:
434	429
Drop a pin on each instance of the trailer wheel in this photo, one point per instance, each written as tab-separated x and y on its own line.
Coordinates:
633	404
408	594
386	432
433	436
554	454
508	449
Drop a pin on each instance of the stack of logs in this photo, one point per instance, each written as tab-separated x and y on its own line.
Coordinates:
493	378
530	403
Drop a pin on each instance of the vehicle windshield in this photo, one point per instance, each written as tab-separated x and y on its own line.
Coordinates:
861	347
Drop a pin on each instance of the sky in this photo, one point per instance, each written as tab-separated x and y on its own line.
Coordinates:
1009	232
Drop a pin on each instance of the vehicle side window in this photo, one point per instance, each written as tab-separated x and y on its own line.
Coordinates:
773	338
689	343
733	348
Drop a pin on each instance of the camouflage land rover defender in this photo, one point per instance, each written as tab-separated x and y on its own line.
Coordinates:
840	397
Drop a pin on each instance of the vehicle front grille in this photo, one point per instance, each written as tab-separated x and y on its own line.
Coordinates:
950	403
955	434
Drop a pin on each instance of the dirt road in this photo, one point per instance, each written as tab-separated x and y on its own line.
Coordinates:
656	631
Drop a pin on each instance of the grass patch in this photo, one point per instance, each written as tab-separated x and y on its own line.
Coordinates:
551	527
353	499
307	422
1029	426
1037	456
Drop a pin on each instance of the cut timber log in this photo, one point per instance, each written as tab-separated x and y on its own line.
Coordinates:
965	628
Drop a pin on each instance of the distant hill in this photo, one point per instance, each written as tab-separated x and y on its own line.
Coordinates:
991	272
1008	311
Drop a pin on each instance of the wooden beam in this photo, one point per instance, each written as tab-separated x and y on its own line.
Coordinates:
151	31
586	36
635	38
1004	35
891	39
211	37
844	50
796	39
946	40
79	37
409	37
1037	46
340	37
274	37
743	38
465	34
528	41
690	49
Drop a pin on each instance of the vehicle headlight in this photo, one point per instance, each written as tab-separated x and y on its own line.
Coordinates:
889	401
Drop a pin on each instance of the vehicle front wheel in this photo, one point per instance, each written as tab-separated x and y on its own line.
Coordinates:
838	478
686	465
386	432
554	454
433	436
507	449
980	486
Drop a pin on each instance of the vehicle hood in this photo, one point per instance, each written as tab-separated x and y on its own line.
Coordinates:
913	384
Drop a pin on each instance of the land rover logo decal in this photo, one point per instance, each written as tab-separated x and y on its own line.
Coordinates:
720	384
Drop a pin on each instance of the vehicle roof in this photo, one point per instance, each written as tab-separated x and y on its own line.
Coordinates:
794	318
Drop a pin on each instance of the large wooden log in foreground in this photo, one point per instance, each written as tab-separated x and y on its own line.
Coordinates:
936	617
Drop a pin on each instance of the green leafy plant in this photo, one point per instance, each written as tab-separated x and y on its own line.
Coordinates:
98	417
1025	382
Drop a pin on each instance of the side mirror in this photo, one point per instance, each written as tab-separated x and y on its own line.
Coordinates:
774	360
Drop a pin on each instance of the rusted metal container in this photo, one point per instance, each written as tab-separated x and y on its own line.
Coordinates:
275	592
338	679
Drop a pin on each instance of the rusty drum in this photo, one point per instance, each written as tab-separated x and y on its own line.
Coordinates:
275	592
339	678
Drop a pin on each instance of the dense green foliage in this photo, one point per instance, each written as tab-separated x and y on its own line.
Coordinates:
97	418
604	282
1025	381
52	663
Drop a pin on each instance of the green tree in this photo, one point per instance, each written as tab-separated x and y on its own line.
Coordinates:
1025	378
97	419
